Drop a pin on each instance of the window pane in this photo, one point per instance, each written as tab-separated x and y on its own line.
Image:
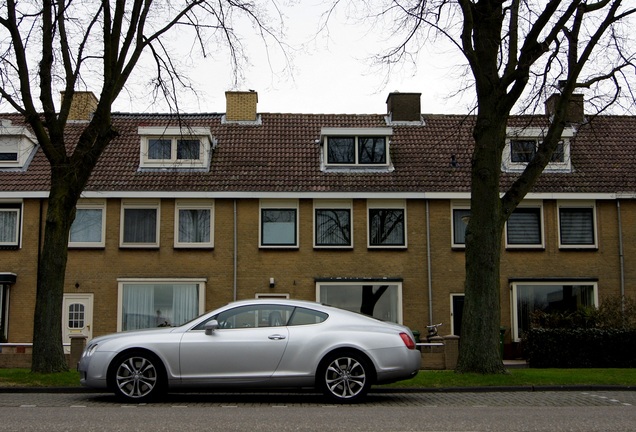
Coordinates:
278	227
188	149
333	227
577	226
372	150
558	155
140	225
159	149
341	150
460	222
76	316
194	226
522	150
550	298
158	305
387	227
302	316
8	156
9	226
87	226
524	227
378	300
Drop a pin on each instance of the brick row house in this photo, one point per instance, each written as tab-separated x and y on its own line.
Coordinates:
182	215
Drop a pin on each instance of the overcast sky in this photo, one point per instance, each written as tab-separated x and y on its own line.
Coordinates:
332	73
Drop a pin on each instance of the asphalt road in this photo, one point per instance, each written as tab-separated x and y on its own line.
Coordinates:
511	411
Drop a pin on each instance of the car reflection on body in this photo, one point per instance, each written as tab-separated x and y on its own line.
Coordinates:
255	343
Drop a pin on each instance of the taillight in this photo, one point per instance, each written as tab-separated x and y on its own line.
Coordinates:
408	341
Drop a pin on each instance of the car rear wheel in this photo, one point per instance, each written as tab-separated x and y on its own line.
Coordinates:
345	377
137	376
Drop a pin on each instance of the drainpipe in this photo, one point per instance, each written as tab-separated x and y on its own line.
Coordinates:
235	264
428	266
621	257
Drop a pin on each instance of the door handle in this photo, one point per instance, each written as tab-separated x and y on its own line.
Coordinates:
276	337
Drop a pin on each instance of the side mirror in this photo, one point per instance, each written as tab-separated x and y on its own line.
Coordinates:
210	326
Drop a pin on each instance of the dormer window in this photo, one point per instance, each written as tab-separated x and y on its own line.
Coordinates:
174	147
522	144
356	147
17	145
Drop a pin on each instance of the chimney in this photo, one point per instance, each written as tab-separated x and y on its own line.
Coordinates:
576	111
404	107
241	106
83	105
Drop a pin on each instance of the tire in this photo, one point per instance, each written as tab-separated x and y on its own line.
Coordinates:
345	377
137	376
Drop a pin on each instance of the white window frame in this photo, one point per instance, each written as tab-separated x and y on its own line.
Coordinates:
457	205
535	134
202	282
333	205
373	204
579	205
357	283
193	205
18	140
524	205
514	298
91	205
18	209
356	134
140	204
278	204
174	134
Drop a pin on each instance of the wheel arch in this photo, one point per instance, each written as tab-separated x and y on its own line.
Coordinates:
112	366
347	350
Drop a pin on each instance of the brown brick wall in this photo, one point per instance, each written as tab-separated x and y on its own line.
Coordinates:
295	270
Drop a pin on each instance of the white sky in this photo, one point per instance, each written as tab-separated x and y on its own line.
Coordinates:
332	73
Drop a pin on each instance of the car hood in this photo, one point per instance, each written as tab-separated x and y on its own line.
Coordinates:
132	333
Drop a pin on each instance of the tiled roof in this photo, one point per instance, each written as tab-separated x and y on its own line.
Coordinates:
282	154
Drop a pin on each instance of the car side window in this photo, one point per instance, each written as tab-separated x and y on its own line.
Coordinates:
302	316
251	317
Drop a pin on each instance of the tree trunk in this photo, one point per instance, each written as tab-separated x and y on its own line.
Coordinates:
479	347
48	352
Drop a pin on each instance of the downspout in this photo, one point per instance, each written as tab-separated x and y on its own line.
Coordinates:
428	265
621	257
40	226
235	263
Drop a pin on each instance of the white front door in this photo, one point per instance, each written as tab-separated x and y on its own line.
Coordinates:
77	317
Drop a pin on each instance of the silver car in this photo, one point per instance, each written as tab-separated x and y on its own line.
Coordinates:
255	343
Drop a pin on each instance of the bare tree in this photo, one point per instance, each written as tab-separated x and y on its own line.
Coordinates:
51	46
517	52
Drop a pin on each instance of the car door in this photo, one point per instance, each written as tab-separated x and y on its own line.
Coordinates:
247	346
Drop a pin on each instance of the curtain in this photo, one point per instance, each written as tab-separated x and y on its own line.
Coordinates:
577	226
138	306
185	303
87	226
278	227
387	227
460	222
8	226
194	226
524	226
140	225
333	228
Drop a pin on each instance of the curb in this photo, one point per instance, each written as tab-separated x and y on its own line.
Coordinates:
485	389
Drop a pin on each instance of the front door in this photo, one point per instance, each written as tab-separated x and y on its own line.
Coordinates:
77	317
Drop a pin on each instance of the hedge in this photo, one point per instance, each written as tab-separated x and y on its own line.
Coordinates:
580	348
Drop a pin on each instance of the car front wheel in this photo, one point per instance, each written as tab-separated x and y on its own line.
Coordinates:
137	377
345	377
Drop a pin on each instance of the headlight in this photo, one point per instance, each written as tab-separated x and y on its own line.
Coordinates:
89	350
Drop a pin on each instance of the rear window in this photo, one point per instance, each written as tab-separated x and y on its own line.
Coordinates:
302	316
